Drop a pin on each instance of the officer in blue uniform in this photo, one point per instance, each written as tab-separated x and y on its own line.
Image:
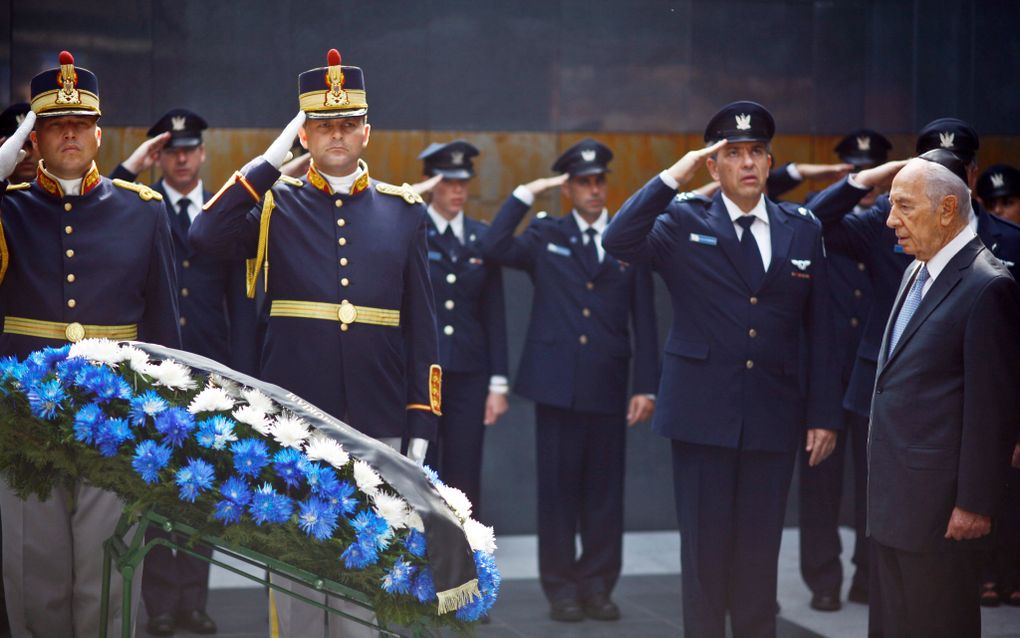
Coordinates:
352	323
575	368
998	188
471	317
10	119
748	281
81	256
217	321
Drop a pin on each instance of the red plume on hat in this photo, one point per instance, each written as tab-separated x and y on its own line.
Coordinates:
334	72
67	71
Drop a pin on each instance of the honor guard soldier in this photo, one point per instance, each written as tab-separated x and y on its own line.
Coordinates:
217	321
999	191
352	325
471	318
575	368
10	120
82	256
748	281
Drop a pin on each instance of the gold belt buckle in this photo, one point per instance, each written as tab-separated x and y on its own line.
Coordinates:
348	312
74	332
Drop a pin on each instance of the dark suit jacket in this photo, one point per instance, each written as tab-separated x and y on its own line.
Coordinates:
946	406
732	371
578	345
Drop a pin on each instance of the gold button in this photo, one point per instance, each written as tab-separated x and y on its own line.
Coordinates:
70	278
67	206
344	327
750	364
342	241
343	261
69	252
590	285
186	263
586	312
754	301
347	313
854	322
71	303
449	304
752	333
345	282
338	203
583	339
341	222
74	332
858	294
184	292
860	265
68	230
183	321
447	330
451	278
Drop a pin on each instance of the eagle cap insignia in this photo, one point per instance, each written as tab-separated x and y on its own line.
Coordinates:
801	264
998	181
336	95
864	143
67	79
457	158
743	122
588	155
946	139
177	122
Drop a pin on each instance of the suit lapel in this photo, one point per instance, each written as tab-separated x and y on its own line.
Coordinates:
721	224
781	236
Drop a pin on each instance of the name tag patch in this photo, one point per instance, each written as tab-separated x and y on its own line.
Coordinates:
556	249
708	240
435	255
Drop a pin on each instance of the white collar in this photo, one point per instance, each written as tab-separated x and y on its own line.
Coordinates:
599	224
194	196
735	212
342	185
940	260
457	223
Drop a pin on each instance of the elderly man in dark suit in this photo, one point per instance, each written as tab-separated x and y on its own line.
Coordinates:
945	406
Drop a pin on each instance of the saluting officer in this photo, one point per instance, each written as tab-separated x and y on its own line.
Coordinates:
999	191
83	257
748	280
574	367
352	326
10	120
217	321
471	317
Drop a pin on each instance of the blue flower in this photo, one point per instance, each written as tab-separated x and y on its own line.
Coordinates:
268	506
236	490
150	458
359	556
215	432
340	494
250	456
41	362
317	518
372	529
488	584
86	423
398	579
194	478
287	462
68	369
46	398
431	475
147	404
415	543
424	589
103	382
175	424
111	434
228	511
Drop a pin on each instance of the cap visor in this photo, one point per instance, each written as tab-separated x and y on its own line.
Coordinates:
453	173
184	142
68	112
588	170
331	115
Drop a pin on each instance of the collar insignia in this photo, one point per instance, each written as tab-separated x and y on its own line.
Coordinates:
998	181
743	122
946	139
177	123
801	264
864	143
588	155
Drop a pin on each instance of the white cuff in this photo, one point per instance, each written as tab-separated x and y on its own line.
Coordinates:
791	170
523	194
668	180
852	180
498	384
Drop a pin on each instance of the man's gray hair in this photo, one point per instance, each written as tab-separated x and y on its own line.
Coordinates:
941	182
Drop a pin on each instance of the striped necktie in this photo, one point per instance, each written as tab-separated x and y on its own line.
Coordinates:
909	307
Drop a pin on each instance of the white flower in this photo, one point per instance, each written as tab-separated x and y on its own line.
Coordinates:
457	500
211	399
366	478
253	417
231	387
480	537
324	448
97	351
290	431
136	358
171	374
414	521
259	401
393	508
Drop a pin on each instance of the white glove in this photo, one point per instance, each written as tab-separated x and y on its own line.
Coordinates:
12	151
277	152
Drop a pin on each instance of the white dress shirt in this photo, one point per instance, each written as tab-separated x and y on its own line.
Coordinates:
759	228
599	225
457	223
195	197
342	185
940	260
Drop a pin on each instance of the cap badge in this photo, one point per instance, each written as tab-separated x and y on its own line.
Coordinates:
18	119
998	181
457	158
864	143
336	95
743	122
177	122
588	155
946	139
67	79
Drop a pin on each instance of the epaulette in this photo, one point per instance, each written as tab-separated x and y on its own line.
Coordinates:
19	187
144	192
541	214
796	211
404	191
691	196
290	181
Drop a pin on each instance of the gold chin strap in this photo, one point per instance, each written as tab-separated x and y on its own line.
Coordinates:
261	258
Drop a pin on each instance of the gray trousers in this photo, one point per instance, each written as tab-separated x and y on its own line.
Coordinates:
53	562
297	619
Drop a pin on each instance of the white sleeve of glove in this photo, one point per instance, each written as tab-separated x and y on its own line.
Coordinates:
276	154
11	152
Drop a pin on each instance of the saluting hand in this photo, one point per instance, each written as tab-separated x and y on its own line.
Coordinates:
820	443
276	154
297	166
495	406
424	187
640	409
543	184
823	171
880	176
12	151
964	525
687	165
147	154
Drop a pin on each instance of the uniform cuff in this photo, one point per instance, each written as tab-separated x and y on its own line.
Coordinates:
791	170
668	180
851	179
523	194
498	384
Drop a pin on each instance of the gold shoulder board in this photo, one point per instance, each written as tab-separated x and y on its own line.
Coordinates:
19	187
404	191
290	181
144	192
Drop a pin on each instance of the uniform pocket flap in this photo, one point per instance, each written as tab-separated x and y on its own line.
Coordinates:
931	458
685	348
